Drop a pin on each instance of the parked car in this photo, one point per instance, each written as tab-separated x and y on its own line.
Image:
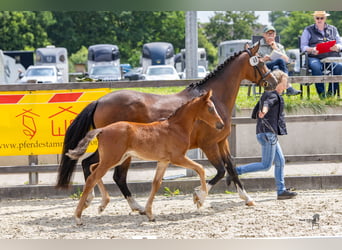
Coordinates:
201	72
41	74
161	72
107	72
125	67
134	74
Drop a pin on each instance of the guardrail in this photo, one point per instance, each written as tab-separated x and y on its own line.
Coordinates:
141	84
33	168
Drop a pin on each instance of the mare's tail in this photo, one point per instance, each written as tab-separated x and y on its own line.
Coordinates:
75	132
82	146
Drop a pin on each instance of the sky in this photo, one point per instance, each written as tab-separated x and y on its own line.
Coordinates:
204	16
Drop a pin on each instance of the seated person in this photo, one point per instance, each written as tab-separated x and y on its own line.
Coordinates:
268	47
317	33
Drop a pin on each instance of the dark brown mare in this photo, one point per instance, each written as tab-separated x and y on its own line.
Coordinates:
165	141
134	106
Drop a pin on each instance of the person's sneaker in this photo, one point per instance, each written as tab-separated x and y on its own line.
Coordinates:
287	194
292	91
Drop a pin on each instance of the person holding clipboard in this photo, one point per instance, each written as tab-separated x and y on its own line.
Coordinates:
330	45
274	55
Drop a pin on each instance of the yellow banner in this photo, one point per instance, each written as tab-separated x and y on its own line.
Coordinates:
35	122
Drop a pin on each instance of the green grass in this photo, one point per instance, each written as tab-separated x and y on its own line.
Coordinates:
292	103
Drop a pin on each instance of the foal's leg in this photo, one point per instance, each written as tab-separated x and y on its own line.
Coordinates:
199	195
91	181
224	147
105	196
157	180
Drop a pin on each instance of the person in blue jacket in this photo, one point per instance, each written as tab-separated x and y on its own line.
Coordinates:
317	33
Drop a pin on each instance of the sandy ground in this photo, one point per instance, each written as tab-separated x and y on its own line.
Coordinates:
223	216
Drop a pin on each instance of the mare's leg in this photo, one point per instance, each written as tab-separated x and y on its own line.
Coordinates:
213	154
86	163
224	149
199	195
120	177
157	180
91	181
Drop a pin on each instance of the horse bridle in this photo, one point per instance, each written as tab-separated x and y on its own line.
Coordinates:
256	68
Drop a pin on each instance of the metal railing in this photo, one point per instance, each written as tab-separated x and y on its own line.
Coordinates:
33	169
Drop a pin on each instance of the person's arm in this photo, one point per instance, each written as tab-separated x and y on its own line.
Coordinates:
304	43
338	46
270	99
281	49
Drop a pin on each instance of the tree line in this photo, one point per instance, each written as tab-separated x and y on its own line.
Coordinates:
129	30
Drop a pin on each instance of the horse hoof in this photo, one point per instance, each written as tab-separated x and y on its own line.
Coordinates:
199	197
250	203
142	212
101	209
78	221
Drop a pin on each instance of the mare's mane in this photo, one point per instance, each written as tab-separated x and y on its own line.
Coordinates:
216	71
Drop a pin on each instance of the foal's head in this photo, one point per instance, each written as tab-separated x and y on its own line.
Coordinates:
207	111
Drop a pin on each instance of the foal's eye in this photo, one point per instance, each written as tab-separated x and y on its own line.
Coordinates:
211	109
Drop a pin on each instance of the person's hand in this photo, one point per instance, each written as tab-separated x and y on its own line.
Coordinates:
261	114
274	45
266	58
313	51
335	48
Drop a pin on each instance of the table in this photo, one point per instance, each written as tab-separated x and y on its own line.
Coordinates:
328	63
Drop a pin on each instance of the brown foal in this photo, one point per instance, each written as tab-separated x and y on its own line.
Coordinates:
165	141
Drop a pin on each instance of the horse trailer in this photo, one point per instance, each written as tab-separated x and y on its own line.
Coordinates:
157	53
55	56
228	48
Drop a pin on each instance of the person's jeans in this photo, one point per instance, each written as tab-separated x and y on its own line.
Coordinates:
278	64
271	152
317	70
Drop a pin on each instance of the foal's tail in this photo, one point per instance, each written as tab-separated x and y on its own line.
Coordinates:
82	146
75	132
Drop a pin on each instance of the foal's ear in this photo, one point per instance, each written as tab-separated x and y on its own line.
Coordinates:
208	94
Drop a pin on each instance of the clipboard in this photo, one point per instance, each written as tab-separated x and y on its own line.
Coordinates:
325	47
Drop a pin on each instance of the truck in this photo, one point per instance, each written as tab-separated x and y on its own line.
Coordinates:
9	69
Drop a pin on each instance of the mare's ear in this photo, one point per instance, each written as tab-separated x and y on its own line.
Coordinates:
246	46
255	49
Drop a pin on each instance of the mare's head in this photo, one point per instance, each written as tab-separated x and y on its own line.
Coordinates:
259	73
206	111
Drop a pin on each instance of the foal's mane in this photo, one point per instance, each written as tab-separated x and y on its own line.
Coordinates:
216	71
181	107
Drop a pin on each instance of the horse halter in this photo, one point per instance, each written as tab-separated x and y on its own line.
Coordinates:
255	62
